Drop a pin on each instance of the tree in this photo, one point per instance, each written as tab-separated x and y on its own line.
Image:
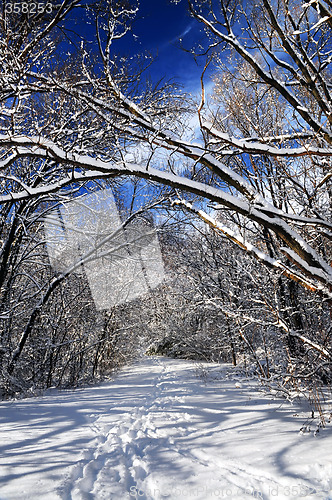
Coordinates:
80	124
100	105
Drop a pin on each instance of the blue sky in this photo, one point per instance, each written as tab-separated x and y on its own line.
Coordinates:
157	29
158	26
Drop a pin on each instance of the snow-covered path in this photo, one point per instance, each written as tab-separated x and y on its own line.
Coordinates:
158	431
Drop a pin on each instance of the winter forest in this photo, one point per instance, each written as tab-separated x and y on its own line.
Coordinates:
228	191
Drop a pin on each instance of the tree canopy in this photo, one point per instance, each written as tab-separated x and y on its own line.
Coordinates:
257	172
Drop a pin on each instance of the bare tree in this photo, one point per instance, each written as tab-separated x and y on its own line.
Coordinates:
106	108
76	125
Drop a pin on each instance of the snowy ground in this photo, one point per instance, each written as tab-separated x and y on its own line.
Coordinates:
158	431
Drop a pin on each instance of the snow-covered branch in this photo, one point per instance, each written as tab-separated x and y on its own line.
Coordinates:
258	254
249	145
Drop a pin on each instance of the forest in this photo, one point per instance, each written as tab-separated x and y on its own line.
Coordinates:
223	199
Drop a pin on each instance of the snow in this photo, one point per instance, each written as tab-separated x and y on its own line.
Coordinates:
315	26
249	144
161	431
